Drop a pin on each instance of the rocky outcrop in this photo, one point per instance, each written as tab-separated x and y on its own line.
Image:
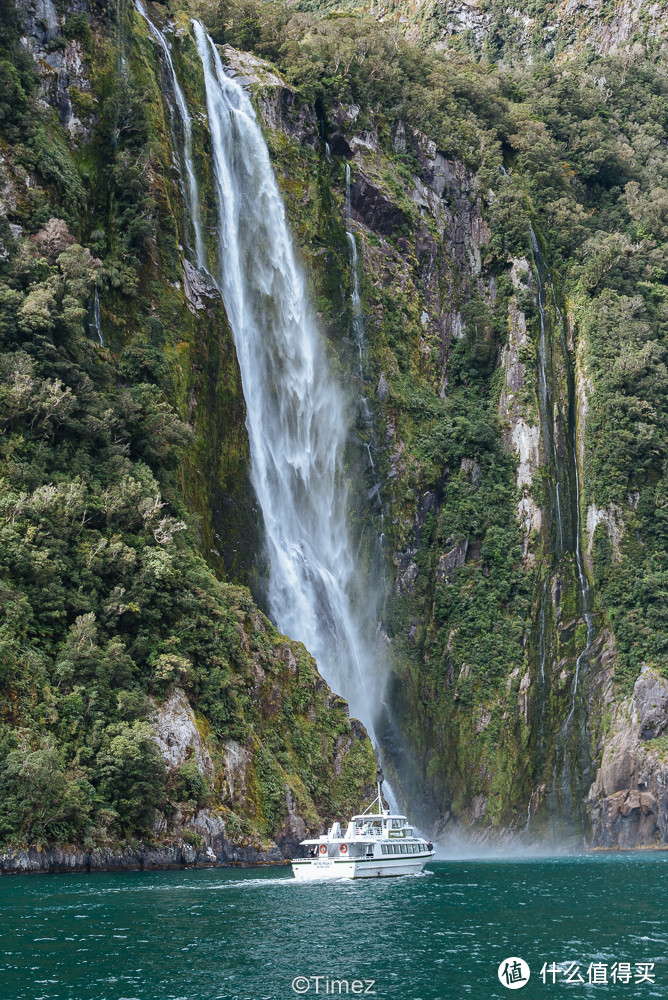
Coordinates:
564	28
373	209
612	519
450	560
279	105
178	855
520	433
628	801
177	735
61	63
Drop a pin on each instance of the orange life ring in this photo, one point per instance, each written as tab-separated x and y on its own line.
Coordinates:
323	849
343	848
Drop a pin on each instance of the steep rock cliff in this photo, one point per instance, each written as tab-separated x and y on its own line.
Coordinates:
177	715
503	661
504	32
498	323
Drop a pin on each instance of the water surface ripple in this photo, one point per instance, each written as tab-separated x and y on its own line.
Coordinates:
246	934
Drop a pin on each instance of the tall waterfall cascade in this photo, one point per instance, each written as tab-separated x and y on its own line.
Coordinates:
296	412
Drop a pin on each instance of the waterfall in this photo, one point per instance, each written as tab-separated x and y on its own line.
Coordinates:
296	419
547	406
356	304
358	329
572	755
191	186
359	336
95	324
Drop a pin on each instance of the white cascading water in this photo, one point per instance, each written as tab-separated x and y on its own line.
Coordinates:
295	410
355	297
96	319
546	401
191	186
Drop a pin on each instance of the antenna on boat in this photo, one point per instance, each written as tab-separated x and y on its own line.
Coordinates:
380	778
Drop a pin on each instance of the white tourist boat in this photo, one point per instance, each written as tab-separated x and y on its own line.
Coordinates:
376	843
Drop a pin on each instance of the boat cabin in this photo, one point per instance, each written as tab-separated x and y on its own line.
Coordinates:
381	827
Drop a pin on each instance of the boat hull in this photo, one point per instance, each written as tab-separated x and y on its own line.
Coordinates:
333	868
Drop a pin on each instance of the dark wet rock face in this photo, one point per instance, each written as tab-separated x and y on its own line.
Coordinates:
339	146
370	206
64	71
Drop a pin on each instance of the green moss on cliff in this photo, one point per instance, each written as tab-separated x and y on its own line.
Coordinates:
126	467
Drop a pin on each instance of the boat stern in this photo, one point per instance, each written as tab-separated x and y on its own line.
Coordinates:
317	870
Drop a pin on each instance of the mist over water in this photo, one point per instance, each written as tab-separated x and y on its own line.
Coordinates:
296	412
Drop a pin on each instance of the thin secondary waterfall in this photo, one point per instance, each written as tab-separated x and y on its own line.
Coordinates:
191	190
96	319
571	775
547	406
358	328
295	410
355	297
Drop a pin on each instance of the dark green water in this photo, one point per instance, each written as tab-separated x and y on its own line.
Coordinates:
232	935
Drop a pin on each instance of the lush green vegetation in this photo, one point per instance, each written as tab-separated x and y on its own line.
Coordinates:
108	603
125	483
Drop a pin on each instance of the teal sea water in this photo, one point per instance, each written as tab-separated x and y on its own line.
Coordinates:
247	934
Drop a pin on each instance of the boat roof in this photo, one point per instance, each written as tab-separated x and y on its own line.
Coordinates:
375	817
